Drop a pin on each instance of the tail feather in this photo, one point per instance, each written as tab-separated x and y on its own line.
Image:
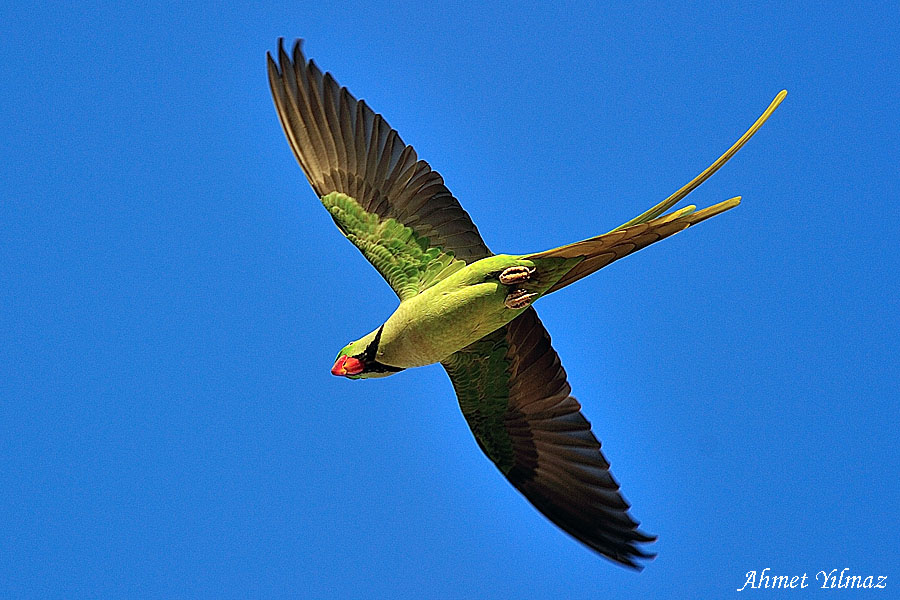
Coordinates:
694	183
596	253
650	226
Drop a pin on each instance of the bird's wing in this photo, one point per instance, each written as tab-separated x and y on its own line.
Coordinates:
513	392
391	205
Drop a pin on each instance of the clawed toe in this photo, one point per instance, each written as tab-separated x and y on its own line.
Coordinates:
519	299
513	275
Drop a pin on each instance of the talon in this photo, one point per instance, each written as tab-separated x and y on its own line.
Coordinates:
513	275
519	299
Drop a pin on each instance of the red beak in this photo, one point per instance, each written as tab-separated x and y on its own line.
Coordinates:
347	365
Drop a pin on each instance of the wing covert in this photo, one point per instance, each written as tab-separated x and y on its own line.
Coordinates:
513	392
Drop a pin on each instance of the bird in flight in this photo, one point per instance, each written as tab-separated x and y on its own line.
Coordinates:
467	308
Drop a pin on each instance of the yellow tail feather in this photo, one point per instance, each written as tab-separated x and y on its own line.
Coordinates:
652	225
707	173
602	250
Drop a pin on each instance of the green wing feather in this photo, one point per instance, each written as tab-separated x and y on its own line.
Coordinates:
391	205
513	392
406	261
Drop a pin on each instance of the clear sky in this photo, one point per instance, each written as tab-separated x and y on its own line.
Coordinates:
172	297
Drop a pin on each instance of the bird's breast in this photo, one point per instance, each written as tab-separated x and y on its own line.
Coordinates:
440	321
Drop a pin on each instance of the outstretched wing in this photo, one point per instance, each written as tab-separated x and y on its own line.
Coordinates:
391	205
513	392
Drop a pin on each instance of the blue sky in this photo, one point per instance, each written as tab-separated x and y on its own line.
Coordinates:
172	296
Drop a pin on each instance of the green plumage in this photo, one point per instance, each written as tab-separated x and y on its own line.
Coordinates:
446	304
483	394
455	312
466	308
404	259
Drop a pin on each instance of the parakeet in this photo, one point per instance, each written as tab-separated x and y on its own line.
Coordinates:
469	309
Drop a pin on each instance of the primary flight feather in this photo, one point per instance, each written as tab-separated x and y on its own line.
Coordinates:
467	308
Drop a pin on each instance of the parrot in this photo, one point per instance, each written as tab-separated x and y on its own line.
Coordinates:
467	308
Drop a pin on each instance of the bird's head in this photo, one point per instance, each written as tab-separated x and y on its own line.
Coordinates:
349	363
358	360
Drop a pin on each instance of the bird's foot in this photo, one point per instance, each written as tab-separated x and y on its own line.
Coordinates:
513	275
519	299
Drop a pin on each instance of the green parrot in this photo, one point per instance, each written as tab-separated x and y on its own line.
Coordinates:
469	309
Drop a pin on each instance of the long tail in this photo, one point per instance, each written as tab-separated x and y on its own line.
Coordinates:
652	225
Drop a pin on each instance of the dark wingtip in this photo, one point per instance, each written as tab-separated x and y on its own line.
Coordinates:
630	560
644	538
278	51
269	59
284	58
297	52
